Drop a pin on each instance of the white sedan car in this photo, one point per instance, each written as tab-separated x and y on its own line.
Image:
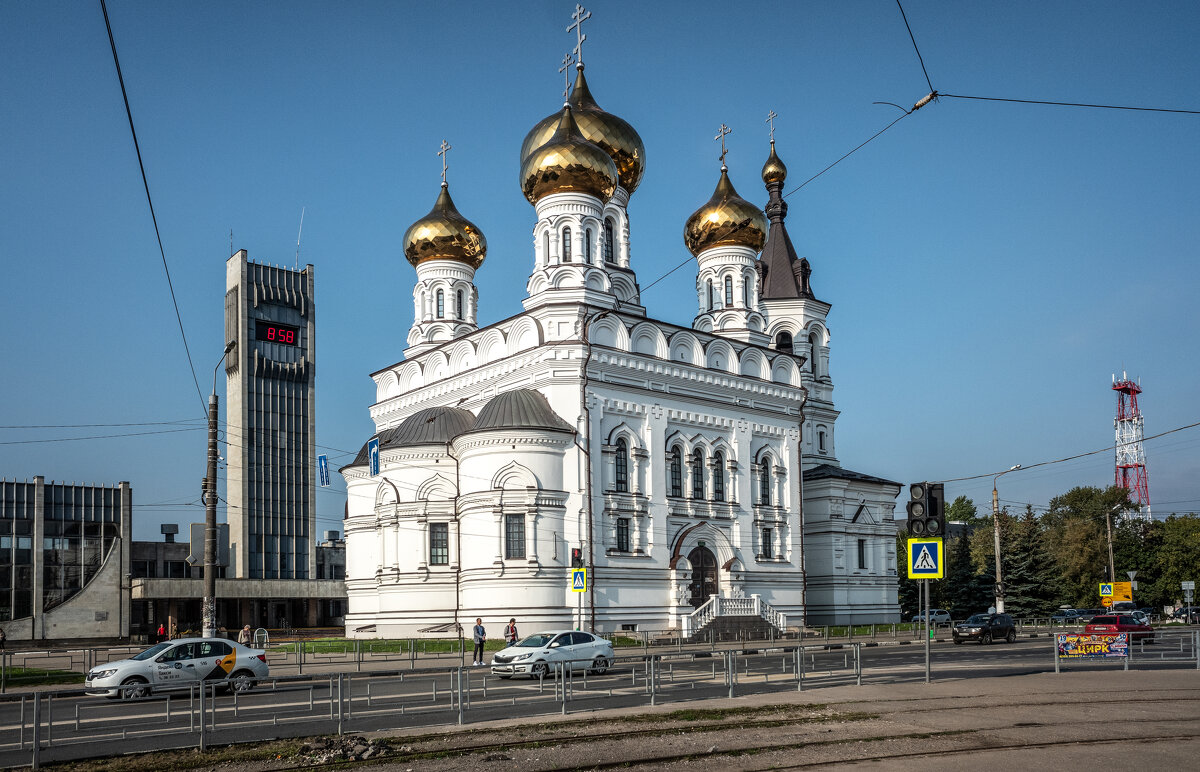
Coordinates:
537	655
177	665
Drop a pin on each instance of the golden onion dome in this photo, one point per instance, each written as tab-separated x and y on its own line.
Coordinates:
567	162
726	220
444	234
774	169
614	135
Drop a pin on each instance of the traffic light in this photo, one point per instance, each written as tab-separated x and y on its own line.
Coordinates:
576	557
927	509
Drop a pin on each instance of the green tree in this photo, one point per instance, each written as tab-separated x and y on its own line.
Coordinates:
1075	526
967	590
909	590
963	510
1178	557
1030	580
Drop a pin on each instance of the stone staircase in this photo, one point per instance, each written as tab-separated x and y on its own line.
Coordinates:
733	619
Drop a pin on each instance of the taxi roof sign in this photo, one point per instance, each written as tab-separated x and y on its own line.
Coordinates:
925	559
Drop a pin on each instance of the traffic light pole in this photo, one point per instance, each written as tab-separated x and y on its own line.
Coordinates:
925	593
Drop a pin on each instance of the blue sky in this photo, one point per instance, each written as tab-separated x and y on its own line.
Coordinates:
990	265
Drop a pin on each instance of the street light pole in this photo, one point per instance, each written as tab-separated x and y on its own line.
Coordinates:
209	610
1112	569
996	533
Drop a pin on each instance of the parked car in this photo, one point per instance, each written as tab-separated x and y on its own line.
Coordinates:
986	628
536	655
1187	614
1121	623
936	615
1123	607
179	664
1066	616
1086	614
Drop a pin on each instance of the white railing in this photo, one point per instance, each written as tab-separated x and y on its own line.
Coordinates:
717	606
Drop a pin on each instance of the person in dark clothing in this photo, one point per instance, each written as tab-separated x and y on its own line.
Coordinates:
480	637
510	632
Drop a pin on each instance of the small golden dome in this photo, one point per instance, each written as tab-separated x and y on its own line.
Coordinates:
568	162
774	169
444	234
614	135
726	220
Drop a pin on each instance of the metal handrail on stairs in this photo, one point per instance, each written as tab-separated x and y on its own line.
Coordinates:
716	606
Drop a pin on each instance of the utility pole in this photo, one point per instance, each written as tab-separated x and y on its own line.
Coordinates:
996	534
209	609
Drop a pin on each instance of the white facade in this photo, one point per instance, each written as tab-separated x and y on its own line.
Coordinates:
673	457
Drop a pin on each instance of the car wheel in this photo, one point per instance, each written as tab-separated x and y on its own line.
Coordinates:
985	639
241	682
135	688
1012	636
539	670
600	665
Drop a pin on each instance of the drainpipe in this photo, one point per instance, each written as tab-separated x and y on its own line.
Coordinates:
457	540
800	483
587	455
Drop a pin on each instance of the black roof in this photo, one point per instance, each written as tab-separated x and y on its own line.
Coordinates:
520	409
831	472
431	426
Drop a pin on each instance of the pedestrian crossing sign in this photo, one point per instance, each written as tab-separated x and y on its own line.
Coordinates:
1106	589
925	559
578	580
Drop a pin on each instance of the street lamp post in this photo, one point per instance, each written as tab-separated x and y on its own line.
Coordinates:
209	611
1112	568
996	534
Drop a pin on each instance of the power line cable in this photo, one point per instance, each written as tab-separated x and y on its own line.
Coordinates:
94	426
101	436
1071	104
146	184
914	42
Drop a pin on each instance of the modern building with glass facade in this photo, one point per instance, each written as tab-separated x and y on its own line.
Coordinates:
270	420
64	559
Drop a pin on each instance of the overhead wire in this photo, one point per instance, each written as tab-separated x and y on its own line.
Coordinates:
1071	104
146	184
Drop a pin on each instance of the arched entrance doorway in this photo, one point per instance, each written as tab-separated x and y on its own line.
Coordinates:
704	576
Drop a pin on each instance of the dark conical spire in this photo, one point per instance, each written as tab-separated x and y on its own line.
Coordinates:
784	275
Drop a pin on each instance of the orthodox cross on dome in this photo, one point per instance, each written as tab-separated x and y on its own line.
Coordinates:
566	77
724	131
444	152
580	16
771	116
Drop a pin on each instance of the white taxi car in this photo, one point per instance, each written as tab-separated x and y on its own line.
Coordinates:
177	665
537	655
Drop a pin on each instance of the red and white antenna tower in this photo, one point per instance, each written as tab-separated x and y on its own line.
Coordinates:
1130	452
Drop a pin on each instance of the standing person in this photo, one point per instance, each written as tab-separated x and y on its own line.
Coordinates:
480	637
162	633
510	632
174	630
245	636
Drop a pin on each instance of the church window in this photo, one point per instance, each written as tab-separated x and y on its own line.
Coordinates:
587	246
764	482
676	471
813	349
623	534
698	474
746	283
441	304
546	247
622	466
514	536
608	241
719	476
458	304
767	535
862	554
821	440
566	245
783	342
710	295
728	291
439	544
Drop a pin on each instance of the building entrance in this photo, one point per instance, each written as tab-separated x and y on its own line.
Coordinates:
704	576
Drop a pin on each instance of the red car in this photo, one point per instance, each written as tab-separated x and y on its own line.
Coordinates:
1120	623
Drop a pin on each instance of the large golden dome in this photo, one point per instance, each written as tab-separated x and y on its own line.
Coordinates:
726	220
567	162
444	234
611	133
774	169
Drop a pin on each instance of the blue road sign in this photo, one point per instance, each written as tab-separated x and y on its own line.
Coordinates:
579	580
373	452
323	470
925	559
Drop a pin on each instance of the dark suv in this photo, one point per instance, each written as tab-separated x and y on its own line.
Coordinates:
986	628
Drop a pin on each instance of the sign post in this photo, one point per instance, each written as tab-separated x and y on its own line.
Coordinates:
323	470
1187	588
925	562
579	585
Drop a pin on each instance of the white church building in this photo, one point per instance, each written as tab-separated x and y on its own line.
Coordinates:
693	469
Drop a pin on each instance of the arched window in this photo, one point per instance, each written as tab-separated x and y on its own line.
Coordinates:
622	466
821	440
458	304
719	476
746	284
676	471
764	481
566	245
587	246
697	474
814	355
710	295
441	305
783	342
546	248
608	241
729	292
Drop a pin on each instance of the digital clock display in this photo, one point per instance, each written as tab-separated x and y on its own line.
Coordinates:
277	333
